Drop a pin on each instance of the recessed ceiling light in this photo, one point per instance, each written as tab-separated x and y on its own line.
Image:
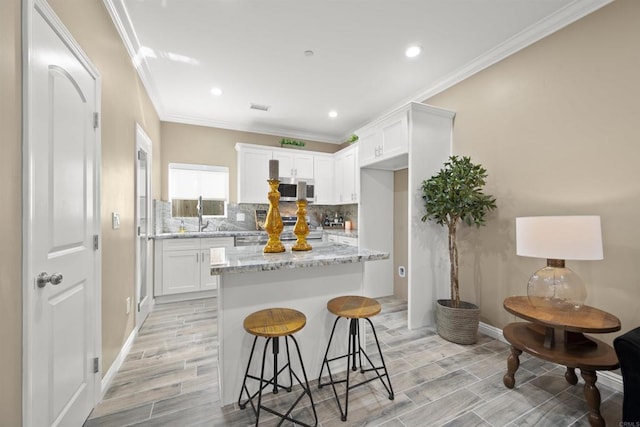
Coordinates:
413	51
333	114
308	53
216	91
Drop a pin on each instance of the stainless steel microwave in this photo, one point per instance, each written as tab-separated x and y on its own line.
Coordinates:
288	189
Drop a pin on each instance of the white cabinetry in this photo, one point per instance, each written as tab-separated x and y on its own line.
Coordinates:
207	281
347	176
253	172
345	240
323	178
336	176
294	165
182	265
385	143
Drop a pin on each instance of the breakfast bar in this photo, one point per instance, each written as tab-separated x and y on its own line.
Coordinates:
251	280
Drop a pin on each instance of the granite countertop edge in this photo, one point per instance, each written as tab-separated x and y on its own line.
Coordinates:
341	232
327	254
200	234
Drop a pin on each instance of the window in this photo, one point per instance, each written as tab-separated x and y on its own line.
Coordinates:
188	183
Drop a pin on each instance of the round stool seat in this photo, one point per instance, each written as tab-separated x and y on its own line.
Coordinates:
354	307
274	322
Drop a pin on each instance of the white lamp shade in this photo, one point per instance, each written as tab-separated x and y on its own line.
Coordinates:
559	237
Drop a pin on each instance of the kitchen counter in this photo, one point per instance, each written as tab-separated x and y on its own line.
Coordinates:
193	234
251	280
341	232
251	258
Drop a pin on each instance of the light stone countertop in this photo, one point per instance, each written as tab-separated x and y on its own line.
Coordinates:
341	232
251	258
193	234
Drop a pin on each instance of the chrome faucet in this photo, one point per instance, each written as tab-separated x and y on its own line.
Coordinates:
201	226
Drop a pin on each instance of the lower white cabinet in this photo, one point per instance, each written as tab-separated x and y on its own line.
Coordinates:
182	265
345	240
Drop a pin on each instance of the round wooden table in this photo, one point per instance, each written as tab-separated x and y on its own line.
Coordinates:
558	337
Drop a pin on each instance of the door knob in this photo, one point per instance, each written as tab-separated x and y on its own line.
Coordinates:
44	278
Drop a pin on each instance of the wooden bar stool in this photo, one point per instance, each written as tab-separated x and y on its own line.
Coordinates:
272	324
354	308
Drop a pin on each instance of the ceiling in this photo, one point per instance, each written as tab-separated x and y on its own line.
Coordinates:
254	51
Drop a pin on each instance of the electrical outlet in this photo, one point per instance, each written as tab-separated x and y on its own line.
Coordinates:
402	271
128	305
240	216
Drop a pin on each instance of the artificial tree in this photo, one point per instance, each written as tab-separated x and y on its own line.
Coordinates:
452	196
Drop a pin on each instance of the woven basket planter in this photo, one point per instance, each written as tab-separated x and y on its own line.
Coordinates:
458	325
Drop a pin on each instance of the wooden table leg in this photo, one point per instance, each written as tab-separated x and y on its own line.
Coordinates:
592	395
570	376
513	363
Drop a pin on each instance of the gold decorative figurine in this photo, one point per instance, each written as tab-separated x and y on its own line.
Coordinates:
301	229
273	223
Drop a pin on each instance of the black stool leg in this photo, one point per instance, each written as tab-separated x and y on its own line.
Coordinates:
244	381
264	356
326	353
276	349
354	348
384	366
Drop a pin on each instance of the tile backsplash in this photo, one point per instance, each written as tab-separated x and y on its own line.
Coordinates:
165	223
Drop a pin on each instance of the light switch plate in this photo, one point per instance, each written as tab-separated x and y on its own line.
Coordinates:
115	220
240	216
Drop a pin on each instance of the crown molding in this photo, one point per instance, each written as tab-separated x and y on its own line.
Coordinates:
122	22
541	29
242	127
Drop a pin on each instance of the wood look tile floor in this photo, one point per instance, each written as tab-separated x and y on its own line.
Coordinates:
170	378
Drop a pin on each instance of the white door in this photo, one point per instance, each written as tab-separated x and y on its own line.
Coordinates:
62	310
143	224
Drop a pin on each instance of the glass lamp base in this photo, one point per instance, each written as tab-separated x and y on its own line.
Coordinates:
556	287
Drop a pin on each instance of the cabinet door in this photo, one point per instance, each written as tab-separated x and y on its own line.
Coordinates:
323	179
338	184
349	177
303	166
294	165
351	241
286	163
253	172
207	281
180	271
370	145
395	138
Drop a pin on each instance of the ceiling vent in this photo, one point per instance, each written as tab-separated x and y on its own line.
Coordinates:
259	107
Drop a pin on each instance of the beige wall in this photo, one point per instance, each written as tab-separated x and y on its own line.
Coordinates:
216	147
10	215
400	231
556	126
124	102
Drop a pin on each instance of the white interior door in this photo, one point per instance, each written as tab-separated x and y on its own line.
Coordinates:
143	224
62	261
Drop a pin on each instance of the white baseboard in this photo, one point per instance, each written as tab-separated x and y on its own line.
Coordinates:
606	378
117	363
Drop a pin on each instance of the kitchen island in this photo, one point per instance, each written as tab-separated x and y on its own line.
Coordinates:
251	280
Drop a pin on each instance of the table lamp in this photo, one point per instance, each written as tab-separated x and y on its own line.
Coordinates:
558	238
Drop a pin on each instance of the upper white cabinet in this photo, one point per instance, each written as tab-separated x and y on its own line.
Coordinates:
253	172
335	176
323	178
384	144
347	176
295	165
